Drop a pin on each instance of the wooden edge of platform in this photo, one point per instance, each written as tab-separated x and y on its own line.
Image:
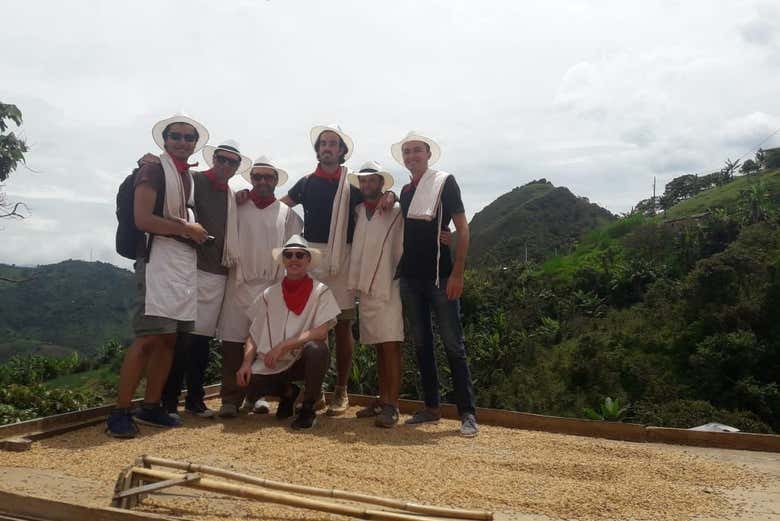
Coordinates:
53	510
11	436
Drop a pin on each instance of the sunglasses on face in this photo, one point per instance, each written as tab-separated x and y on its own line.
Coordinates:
178	136
297	254
269	178
222	160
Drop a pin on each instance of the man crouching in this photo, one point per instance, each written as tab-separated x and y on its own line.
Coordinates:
288	336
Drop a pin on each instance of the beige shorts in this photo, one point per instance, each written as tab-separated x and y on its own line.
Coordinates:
381	320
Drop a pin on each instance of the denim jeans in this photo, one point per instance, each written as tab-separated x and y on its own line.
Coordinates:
420	298
190	360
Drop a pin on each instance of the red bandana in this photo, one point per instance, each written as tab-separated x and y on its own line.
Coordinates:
261	202
334	176
219	185
412	184
182	165
371	205
296	293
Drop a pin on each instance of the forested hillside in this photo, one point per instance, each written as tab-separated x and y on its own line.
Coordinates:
536	220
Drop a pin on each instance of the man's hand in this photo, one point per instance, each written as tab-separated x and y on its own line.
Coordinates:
244	375
195	232
387	201
454	286
149	159
242	196
445	237
272	356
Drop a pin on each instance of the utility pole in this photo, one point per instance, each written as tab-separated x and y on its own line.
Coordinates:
654	200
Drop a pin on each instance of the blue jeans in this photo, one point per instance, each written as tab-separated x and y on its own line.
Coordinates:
420	297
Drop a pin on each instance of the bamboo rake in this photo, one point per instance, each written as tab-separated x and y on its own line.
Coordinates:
480	515
281	498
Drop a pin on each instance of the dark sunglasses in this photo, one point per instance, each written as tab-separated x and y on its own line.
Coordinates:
178	136
297	254
263	177
222	160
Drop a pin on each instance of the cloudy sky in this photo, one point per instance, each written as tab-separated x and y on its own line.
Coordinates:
598	96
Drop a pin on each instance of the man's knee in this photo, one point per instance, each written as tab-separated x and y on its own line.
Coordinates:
316	351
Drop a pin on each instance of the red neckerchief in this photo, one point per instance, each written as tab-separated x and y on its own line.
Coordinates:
296	293
371	205
261	202
219	185
335	176
182	165
412	184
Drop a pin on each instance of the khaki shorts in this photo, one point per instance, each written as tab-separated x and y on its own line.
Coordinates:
148	325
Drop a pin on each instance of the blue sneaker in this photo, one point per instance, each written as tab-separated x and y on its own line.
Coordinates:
156	417
120	424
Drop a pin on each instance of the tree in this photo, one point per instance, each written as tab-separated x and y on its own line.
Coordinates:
12	150
761	158
729	168
749	167
679	189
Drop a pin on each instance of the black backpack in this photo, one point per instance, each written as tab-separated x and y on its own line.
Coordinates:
127	235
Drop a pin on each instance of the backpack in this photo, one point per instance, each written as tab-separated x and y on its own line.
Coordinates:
127	235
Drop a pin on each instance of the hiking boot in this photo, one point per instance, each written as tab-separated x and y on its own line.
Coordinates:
306	418
156	416
423	416
468	426
261	406
120	424
370	410
339	403
228	410
286	405
388	418
201	411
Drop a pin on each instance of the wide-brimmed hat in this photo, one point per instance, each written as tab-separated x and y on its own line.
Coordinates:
315	132
296	242
266	162
371	168
157	130
231	146
396	149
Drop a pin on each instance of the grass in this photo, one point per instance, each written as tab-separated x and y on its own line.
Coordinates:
93	379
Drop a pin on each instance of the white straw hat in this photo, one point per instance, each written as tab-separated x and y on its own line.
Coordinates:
315	132
296	242
397	148
371	168
266	162
160	126
231	146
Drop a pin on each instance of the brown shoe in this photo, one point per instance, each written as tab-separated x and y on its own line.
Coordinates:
388	418
370	410
339	403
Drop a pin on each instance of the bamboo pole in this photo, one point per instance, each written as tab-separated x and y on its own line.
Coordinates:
213	485
480	515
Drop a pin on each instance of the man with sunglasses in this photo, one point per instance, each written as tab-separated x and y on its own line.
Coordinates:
165	271
215	210
263	224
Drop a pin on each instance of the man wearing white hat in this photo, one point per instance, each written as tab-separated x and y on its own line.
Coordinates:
263	224
165	271
376	251
430	279
215	210
288	336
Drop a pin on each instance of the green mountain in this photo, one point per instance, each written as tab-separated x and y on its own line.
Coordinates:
59	308
538	218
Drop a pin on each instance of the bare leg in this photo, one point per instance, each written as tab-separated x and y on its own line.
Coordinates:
381	373
136	360
160	361
344	346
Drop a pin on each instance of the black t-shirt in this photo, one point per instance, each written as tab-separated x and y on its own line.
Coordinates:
421	237
316	194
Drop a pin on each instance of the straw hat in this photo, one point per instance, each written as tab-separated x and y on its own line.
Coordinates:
396	149
157	130
231	146
371	168
266	162
296	242
315	132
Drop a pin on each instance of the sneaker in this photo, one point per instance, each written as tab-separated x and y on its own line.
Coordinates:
287	403
176	416
120	424
261	407
201	410
373	409
156	417
306	419
468	426
339	403
228	410
388	418
423	416
319	405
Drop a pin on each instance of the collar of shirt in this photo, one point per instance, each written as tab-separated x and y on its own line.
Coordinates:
261	202
332	176
182	165
219	185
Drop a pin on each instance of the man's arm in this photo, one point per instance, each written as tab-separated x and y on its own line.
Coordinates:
145	220
455	281
317	333
244	373
288	201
